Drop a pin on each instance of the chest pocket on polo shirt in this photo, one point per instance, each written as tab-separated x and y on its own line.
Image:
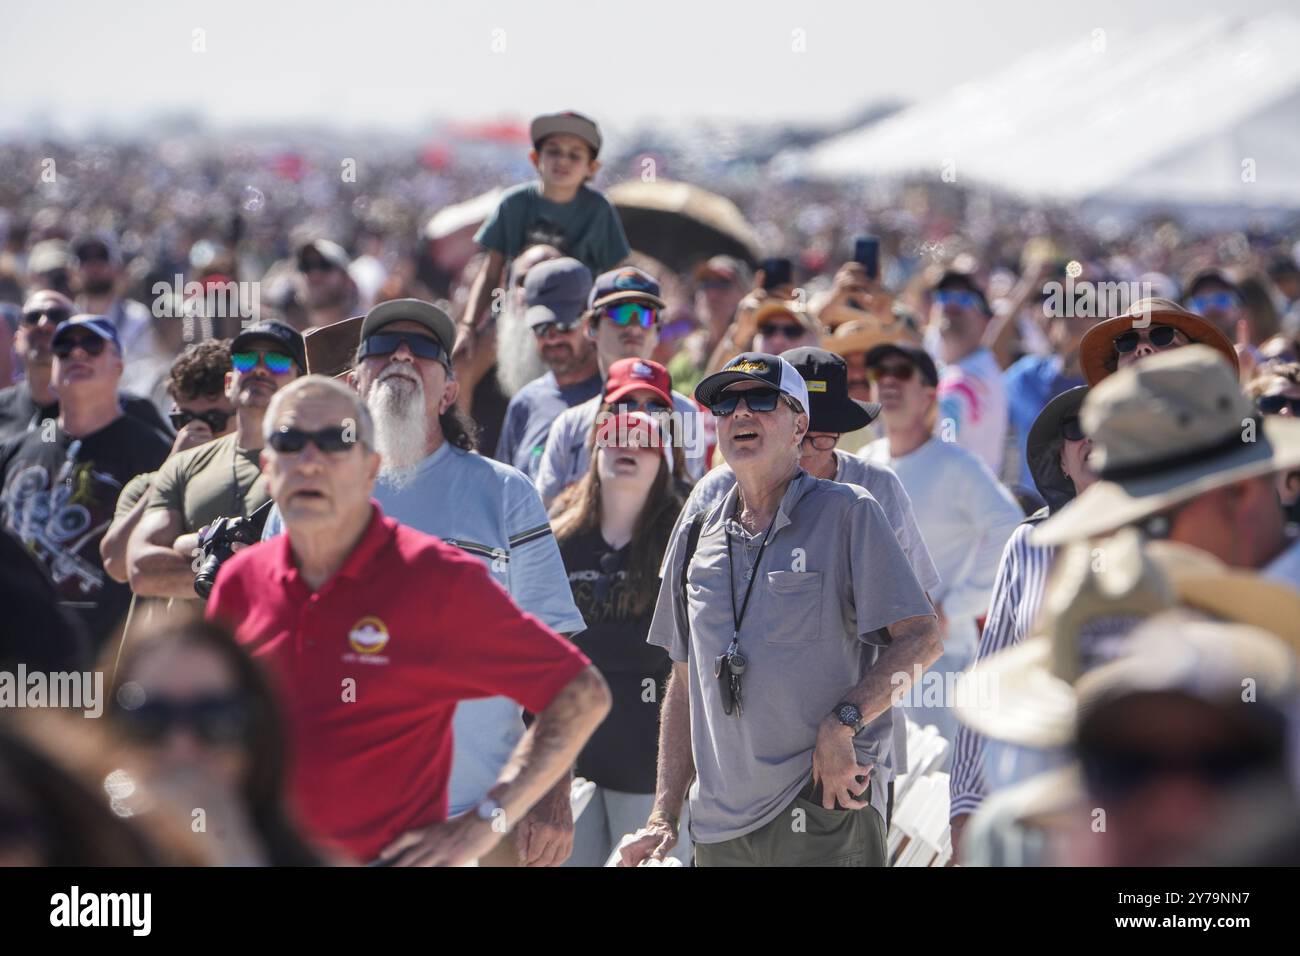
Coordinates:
796	598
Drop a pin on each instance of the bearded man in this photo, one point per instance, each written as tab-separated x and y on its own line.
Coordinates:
431	480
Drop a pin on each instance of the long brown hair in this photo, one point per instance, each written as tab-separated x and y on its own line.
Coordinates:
264	740
577	511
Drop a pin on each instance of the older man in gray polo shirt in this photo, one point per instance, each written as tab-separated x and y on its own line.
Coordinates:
798	618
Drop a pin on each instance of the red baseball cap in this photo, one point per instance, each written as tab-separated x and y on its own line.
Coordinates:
629	374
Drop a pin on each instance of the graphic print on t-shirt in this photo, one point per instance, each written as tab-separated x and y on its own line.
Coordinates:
543	232
60	520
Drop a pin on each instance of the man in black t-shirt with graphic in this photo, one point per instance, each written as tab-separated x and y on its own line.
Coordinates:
28	403
61	479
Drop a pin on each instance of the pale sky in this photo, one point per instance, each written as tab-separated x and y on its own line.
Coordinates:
81	65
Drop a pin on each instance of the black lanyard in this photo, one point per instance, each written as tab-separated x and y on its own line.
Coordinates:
739	618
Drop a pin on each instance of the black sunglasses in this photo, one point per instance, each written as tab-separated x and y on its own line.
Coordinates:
331	440
55	314
1071	430
1273	404
92	344
214	418
215	720
386	343
314	265
758	400
545	329
1161	336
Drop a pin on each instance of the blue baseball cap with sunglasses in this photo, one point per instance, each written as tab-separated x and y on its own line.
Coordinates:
97	325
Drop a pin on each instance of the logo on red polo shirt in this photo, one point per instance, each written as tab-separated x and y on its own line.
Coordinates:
368	636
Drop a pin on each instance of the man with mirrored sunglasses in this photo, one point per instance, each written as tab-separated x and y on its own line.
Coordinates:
25	405
790	613
622	318
61	480
218	479
555	297
349	595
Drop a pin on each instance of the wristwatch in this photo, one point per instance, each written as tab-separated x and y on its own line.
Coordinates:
849	715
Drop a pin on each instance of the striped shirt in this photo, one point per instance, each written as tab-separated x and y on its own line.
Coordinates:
1013	609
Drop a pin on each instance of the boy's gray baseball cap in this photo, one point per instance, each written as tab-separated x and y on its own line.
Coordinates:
575	124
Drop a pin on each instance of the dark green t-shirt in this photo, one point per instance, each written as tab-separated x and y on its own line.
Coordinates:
213	481
586	228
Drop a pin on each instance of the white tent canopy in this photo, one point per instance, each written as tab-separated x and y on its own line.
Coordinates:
1171	116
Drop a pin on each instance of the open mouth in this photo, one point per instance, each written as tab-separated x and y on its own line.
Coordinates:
746	435
307	494
626	459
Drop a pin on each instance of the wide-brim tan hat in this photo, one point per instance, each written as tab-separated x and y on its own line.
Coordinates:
1025	694
1036	684
774	308
1164	431
860	336
1209	660
1097	348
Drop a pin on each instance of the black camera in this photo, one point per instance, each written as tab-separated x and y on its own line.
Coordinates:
215	545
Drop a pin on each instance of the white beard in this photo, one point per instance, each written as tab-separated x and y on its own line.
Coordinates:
518	361
401	426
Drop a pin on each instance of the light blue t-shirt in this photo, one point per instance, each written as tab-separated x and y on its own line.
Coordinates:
492	511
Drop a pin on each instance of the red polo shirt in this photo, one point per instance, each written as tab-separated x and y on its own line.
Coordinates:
371	666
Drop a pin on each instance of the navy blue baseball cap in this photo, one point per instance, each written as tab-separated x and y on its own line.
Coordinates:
556	291
98	324
624	284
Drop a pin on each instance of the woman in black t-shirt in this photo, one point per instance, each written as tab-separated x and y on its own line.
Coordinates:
613	527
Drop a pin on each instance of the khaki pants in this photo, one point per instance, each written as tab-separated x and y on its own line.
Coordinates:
804	834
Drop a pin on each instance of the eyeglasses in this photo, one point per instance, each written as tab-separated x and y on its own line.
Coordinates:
216	720
820	442
757	400
93	345
633	313
277	363
386	343
1214	300
214	418
546	328
55	314
331	440
903	371
314	265
1273	405
1071	430
783	329
1160	336
92	254
962	299
639	405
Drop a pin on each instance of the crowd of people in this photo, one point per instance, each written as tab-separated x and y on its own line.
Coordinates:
554	555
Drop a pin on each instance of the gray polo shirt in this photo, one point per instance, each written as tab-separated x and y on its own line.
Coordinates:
885	487
831	579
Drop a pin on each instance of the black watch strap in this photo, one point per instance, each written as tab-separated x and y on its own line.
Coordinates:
849	715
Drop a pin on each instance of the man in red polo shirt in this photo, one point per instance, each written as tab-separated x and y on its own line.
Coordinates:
375	631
